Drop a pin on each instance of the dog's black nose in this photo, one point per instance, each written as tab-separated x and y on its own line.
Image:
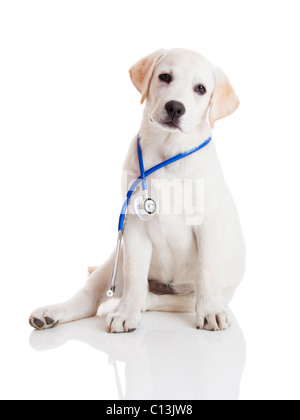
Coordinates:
175	109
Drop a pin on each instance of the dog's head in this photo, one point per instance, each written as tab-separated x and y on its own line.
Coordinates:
180	86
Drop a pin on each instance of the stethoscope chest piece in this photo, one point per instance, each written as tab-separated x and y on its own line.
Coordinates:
144	208
150	206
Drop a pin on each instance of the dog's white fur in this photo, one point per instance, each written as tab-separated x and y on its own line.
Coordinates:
205	262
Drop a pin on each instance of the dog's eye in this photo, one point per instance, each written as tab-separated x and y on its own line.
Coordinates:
166	78
200	89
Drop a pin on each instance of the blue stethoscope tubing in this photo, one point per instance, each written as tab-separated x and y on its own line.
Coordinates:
144	175
143	178
141	163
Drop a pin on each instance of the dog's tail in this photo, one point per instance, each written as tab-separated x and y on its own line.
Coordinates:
91	270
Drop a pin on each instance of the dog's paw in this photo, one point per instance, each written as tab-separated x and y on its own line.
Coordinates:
218	321
46	318
123	321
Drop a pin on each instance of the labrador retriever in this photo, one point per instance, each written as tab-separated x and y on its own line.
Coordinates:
178	261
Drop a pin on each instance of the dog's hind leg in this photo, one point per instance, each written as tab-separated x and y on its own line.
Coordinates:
85	303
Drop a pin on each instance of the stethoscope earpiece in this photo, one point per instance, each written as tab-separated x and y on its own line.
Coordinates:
109	293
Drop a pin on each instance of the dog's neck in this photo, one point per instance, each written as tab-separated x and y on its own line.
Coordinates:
169	144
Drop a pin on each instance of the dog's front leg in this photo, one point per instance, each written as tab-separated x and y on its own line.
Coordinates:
137	259
211	310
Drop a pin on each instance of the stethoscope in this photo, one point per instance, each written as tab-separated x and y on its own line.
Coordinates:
144	206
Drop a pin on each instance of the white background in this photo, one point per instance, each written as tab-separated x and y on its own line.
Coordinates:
67	114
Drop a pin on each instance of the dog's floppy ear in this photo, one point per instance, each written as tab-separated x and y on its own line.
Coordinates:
141	73
224	100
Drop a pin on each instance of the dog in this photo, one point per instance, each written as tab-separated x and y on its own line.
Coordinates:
173	262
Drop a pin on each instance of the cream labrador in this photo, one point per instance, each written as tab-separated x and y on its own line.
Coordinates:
178	260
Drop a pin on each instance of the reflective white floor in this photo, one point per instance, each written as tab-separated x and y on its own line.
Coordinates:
165	359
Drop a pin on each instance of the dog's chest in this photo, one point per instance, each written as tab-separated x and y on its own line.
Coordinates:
178	191
174	249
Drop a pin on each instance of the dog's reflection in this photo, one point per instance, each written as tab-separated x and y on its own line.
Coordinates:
165	359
